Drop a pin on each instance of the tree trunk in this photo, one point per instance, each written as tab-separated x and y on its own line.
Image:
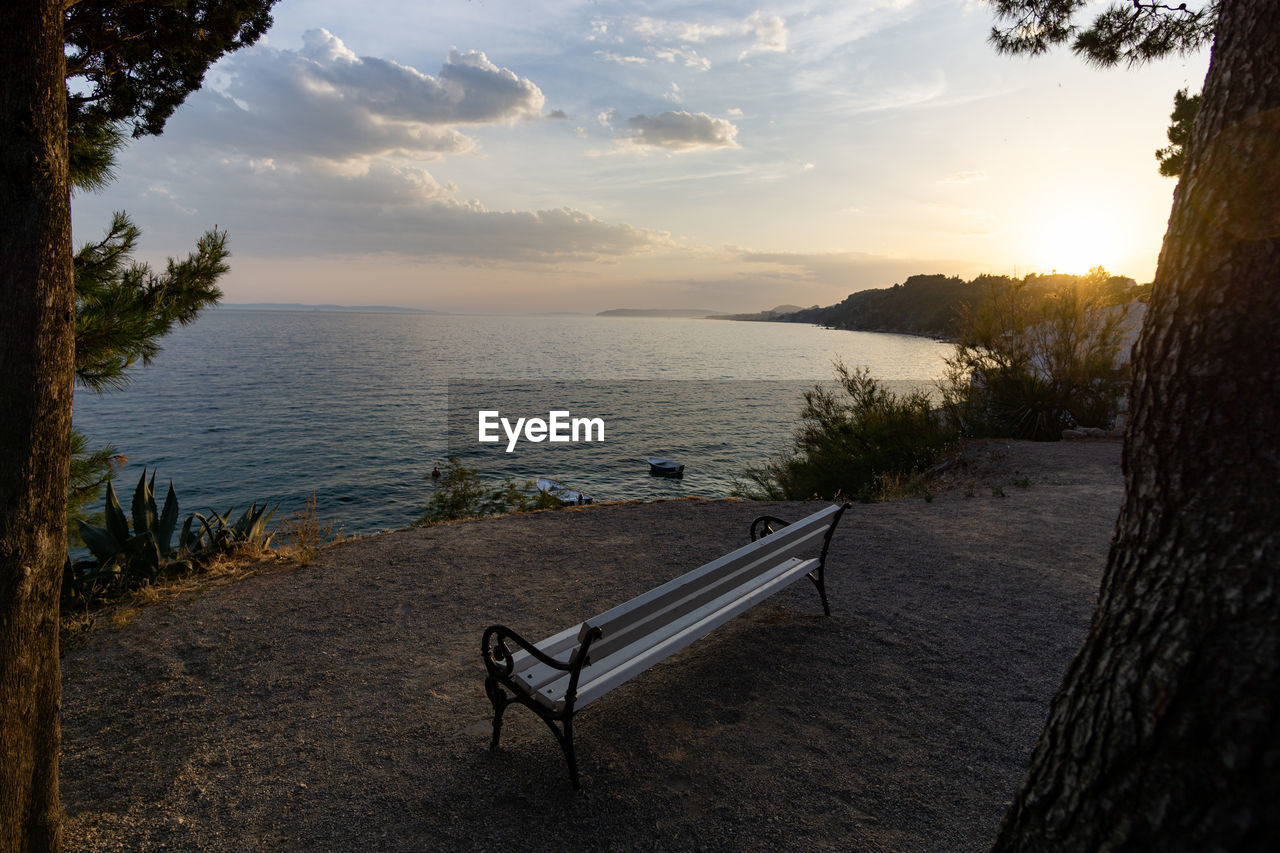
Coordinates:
36	376
1164	734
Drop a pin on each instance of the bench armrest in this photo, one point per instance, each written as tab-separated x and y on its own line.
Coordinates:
498	656
766	524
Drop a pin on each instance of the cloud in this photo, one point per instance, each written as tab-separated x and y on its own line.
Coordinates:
770	32
296	209
681	132
652	29
325	101
558	115
687	56
312	153
968	177
621	59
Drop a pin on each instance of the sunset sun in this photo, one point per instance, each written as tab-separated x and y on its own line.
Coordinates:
1074	237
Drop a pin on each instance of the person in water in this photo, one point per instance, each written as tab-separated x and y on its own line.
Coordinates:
435	473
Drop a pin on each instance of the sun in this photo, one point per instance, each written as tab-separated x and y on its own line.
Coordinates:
1071	237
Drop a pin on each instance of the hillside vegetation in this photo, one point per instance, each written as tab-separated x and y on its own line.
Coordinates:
935	305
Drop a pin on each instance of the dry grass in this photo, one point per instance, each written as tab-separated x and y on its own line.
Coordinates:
173	591
301	536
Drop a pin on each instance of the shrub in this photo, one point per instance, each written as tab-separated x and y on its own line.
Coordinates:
860	441
1031	363
461	493
303	533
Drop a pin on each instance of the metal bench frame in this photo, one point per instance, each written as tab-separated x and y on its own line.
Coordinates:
504	687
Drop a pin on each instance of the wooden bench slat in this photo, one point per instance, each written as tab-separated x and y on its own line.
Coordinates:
594	689
819	520
682	597
552	693
685	593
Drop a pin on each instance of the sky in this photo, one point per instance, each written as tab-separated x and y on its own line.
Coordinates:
501	156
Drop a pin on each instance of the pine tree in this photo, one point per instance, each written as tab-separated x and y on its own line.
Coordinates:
1165	733
129	62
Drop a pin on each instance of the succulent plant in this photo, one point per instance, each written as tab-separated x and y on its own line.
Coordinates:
125	558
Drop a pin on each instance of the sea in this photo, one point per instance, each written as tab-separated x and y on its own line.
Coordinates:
357	408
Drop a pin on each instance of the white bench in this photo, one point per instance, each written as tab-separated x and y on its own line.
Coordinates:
568	671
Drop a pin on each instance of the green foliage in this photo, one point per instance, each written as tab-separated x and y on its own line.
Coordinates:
123	308
1132	33
462	493
125	558
131	551
90	471
1030	363
137	61
218	535
1172	159
860	441
935	304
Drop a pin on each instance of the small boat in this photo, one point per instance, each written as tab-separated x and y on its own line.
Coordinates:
562	493
660	467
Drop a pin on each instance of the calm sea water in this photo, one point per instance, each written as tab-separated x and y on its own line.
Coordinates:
248	405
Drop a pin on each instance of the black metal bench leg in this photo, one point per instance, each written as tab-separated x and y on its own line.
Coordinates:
567	744
822	591
565	738
499	699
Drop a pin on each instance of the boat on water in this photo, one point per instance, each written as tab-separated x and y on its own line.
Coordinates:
562	493
660	467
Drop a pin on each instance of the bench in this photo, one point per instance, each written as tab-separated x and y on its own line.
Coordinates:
568	671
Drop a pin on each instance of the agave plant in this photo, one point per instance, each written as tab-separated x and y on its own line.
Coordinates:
218	534
128	557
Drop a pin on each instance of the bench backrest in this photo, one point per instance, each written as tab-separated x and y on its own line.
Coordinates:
669	602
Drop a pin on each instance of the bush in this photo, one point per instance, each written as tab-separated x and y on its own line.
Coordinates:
860	441
462	493
1030	363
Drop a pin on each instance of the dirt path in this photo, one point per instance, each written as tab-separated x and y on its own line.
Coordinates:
341	707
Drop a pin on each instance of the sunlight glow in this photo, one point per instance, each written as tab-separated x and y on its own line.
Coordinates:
1073	236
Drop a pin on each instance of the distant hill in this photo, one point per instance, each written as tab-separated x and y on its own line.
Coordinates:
298	306
933	305
658	312
781	312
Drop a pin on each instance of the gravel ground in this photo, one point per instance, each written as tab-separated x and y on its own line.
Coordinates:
340	706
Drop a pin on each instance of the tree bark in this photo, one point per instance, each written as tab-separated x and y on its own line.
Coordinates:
1164	734
36	376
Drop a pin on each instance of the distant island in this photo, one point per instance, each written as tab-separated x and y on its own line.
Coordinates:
298	306
659	312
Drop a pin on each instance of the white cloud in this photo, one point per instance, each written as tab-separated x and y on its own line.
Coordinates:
681	132
770	32
621	59
324	101
652	29
672	94
606	118
687	56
